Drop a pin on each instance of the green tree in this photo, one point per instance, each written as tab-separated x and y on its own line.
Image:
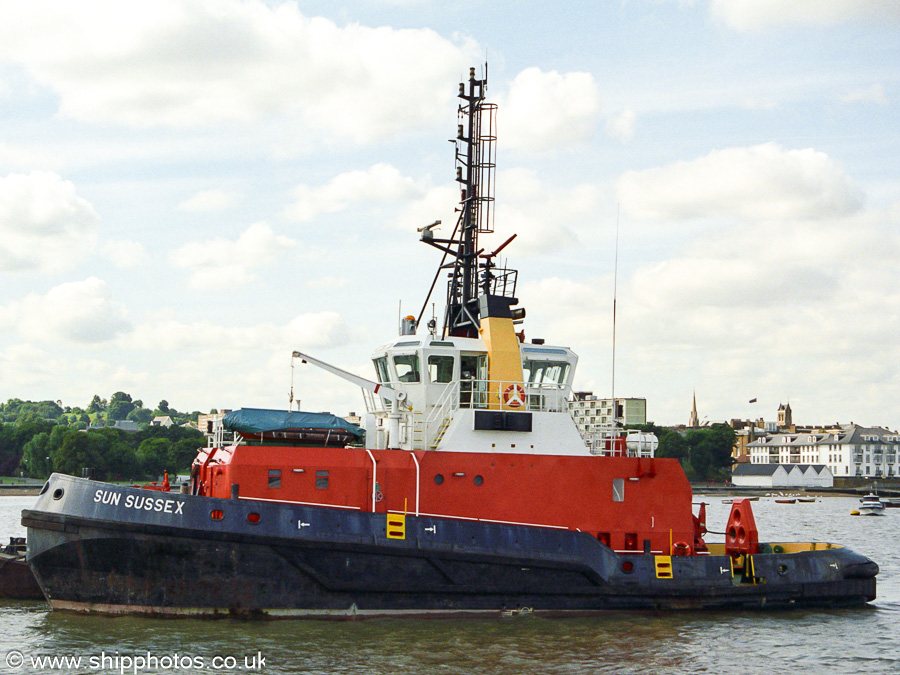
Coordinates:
120	404
78	450
10	454
97	404
36	456
710	450
153	455
182	454
673	444
121	462
13	438
140	415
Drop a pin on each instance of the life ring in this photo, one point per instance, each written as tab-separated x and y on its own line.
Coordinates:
680	548
514	395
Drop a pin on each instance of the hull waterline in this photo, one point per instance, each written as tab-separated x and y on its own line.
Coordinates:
295	560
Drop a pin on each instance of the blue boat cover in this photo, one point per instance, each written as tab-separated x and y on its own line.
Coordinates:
259	420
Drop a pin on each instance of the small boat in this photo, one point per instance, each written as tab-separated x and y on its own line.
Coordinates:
785	501
806	500
16	579
871	505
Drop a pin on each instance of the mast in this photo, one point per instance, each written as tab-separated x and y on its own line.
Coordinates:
472	272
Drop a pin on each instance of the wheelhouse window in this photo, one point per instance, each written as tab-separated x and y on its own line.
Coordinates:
274	478
440	368
381	370
545	372
407	367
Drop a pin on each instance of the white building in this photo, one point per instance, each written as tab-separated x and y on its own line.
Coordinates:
591	413
866	452
782	476
208	423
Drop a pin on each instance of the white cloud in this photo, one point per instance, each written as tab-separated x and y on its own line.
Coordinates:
310	331
749	15
328	282
15	158
621	126
545	218
548	110
567	311
873	94
222	263
434	203
781	307
379	184
207	201
199	63
123	253
80	311
44	225
764	181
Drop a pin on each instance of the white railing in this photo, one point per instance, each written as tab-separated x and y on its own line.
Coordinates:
420	428
607	441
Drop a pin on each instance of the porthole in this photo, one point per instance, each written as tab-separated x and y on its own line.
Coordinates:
439	479
628	567
58	493
217	514
253	518
479	480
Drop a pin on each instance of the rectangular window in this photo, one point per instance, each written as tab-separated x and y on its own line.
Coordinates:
321	480
545	372
440	368
274	478
381	370
618	489
407	367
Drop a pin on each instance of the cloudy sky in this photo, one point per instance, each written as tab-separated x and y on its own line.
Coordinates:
192	189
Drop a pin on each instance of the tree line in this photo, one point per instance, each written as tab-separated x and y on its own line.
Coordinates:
40	437
99	411
37	438
704	453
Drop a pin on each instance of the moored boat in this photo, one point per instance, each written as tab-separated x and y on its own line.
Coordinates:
871	505
16	579
472	493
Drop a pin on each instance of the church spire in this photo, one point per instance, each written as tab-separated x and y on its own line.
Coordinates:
694	422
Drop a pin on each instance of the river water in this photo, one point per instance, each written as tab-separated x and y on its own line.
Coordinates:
837	641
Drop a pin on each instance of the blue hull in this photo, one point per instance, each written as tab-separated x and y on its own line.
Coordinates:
103	548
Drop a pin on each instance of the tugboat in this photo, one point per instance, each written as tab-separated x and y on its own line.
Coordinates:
472	492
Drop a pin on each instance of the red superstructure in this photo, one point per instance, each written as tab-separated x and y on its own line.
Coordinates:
623	501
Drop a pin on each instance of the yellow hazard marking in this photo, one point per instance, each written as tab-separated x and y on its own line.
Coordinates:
663	566
396	526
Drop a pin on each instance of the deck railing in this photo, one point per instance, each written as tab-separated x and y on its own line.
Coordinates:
421	428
